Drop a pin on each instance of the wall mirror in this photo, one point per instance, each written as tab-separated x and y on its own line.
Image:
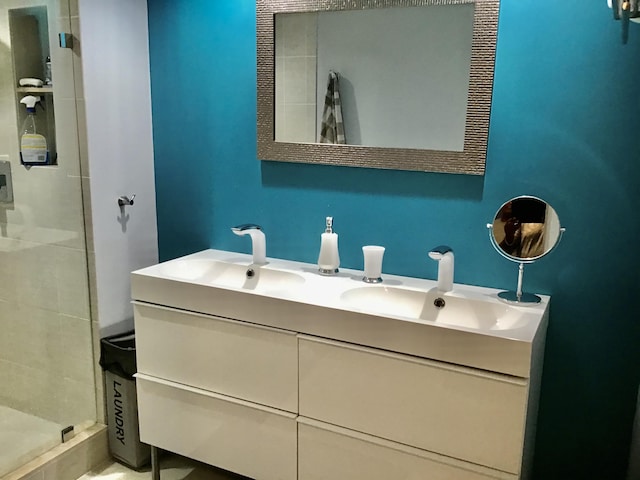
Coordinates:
414	77
524	230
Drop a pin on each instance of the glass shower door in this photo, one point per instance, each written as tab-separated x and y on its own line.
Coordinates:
47	380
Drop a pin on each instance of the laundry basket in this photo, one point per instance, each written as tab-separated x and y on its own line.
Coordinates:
118	360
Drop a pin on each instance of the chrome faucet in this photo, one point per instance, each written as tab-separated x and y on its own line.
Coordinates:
258	241
443	254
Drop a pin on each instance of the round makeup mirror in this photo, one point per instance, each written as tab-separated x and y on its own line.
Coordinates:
524	230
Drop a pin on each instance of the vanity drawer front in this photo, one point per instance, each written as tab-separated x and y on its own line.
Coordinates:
326	451
238	436
455	411
241	360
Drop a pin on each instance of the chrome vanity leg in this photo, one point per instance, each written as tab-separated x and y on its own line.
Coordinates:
155	464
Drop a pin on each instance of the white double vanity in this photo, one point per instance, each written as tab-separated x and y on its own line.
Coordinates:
278	373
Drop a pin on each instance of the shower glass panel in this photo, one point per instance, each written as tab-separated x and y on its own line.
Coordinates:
47	380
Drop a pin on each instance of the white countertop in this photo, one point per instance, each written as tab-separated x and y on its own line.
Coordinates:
315	305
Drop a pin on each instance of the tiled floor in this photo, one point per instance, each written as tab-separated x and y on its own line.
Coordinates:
173	467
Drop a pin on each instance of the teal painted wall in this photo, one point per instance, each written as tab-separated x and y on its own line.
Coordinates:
564	126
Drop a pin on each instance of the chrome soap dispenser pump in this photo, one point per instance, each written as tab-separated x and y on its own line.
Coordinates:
329	258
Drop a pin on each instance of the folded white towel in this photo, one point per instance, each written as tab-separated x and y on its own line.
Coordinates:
30	82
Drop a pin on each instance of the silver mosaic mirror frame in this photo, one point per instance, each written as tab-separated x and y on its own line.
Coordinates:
470	161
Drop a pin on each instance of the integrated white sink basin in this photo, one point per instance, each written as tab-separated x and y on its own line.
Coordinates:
474	327
436	307
227	274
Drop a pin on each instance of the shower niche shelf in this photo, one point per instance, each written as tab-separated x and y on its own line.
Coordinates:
34	90
30	47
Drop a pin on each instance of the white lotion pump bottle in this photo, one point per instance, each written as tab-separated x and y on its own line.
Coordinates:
329	259
33	145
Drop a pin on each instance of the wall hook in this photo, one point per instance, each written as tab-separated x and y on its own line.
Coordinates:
124	200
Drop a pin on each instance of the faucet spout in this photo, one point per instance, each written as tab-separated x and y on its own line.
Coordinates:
258	241
443	254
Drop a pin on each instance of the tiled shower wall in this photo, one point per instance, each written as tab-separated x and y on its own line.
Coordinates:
296	74
46	347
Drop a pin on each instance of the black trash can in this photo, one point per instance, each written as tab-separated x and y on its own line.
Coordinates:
118	360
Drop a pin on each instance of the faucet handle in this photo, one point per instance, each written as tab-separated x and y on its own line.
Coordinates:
246	226
441	249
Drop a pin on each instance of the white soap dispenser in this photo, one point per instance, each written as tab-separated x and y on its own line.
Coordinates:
329	259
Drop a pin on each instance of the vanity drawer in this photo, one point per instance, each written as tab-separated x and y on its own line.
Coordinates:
326	451
455	411
238	436
250	362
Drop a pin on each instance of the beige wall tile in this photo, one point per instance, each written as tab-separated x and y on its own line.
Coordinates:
5	322
88	223
37	282
5	369
8	285
77	403
296	77
98	374
77	57
34	391
36	338
63	8
76	349
67	137
47	209
73	284
295	82
47	358
62	64
73	8
83	145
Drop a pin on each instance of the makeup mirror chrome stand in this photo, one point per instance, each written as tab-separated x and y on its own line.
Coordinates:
525	209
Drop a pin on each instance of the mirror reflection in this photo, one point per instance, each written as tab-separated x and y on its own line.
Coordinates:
388	77
412	88
526	228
